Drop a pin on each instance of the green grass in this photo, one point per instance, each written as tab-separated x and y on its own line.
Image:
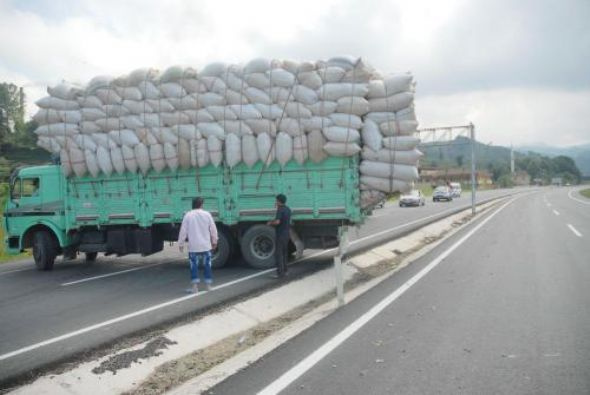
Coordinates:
585	193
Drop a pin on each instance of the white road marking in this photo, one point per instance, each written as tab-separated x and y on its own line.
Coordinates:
112	274
14	271
302	367
574	230
182	299
555	212
576	199
548	204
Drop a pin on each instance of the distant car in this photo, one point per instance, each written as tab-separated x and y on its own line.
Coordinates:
442	193
412	198
455	189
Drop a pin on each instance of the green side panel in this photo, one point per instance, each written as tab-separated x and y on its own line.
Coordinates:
328	190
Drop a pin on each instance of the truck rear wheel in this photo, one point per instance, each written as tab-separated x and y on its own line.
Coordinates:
223	252
44	250
258	246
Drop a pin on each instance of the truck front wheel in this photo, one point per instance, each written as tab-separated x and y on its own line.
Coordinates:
44	250
258	246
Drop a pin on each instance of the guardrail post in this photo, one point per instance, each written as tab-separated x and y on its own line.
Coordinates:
342	248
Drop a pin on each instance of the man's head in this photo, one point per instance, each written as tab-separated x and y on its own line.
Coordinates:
198	202
281	199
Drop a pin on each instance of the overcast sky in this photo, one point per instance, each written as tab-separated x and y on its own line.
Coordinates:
519	70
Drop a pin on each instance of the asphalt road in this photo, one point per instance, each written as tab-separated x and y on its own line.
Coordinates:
502	307
52	316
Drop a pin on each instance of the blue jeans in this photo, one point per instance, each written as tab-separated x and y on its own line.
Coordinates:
194	259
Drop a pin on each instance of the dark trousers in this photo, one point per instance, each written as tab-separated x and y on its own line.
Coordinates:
281	252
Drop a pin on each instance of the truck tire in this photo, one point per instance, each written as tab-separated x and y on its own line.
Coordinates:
91	256
44	250
258	246
223	252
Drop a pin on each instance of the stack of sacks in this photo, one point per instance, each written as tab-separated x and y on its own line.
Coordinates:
265	110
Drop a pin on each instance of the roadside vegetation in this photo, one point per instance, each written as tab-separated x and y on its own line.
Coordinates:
585	193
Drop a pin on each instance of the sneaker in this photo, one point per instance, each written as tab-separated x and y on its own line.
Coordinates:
207	287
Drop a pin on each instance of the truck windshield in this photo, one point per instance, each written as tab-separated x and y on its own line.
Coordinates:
26	187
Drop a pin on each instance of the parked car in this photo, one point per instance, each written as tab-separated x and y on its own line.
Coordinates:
442	193
412	198
455	189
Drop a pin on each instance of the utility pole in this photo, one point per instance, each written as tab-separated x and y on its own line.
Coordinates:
473	178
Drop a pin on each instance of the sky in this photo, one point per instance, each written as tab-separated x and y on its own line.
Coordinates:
518	69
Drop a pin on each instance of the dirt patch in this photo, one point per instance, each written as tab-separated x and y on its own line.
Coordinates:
124	360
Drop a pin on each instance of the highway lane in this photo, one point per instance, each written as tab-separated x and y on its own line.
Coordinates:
38	307
504	312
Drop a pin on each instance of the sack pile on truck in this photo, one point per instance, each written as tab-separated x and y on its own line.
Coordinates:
262	111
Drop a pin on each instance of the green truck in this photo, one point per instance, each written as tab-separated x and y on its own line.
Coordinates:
135	213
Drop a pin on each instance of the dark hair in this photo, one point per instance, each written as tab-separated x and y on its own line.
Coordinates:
198	202
282	198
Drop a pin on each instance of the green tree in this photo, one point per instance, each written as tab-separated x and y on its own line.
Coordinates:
459	159
12	111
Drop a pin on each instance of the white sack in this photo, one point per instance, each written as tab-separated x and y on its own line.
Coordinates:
66	166
305	95
129	159
257	80
341	135
172	89
221	113
265	148
233	150
124	137
389	170
300	153
142	156
149	90
259	126
391	103
91	163
315	123
157	157
57	103
239	128
347	120
296	110
353	105
371	136
85	142
248	111
249	150
92	113
385	184
171	156
78	161
184	154
331	74
284	148
208	129
385	155
401	143
160	105
323	108
394	128
341	149
203	152
108	124
90	102
108	96
291	126
316	142
197	116
269	112
64	91
336	91
310	79
280	77
214	147
117	159
130	93
103	157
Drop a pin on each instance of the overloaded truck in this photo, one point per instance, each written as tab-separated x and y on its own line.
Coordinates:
334	136
136	214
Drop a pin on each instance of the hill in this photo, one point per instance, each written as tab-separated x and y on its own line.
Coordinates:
579	153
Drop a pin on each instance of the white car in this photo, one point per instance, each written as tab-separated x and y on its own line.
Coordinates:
412	198
455	189
442	193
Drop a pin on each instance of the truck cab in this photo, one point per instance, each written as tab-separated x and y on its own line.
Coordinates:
34	213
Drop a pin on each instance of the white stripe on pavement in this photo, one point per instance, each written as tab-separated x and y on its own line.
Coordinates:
574	230
555	212
112	274
302	367
576	199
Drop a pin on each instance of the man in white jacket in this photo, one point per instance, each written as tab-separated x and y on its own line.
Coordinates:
199	229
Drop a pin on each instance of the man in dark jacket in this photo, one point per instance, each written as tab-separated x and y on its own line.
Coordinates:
282	223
